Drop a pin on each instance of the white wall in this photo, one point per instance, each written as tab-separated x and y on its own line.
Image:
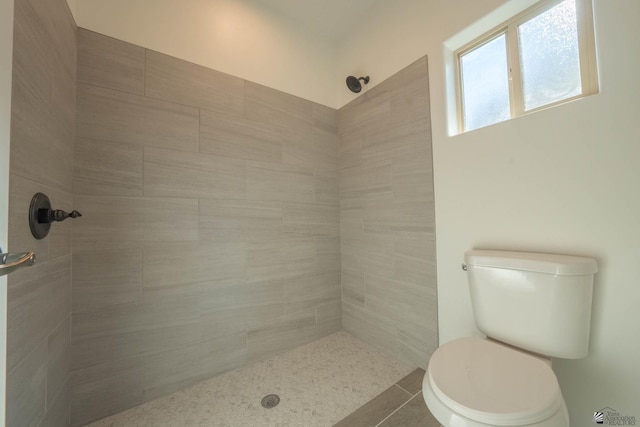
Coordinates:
561	180
237	37
6	61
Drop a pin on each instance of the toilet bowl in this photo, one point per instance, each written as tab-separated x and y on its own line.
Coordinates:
531	307
475	382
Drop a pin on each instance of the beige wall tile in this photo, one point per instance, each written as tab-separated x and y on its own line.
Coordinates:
370	328
279	258
397	300
38	299
42	142
59	25
172	370
41	160
108	115
58	408
353	287
325	119
271	106
235	136
58	359
107	62
387	224
415	261
248	304
279	335
109	346
107	268
105	389
327	253
274	181
107	168
242	219
329	318
184	263
311	219
310	149
308	291
399	218
26	388
170	173
136	219
185	83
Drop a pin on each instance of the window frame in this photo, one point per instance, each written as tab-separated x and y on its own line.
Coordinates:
586	48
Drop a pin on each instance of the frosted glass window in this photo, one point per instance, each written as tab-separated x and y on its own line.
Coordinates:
543	56
549	56
485	84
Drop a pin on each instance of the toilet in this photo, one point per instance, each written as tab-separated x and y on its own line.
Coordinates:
531	307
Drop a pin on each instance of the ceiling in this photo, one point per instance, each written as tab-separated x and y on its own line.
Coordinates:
329	19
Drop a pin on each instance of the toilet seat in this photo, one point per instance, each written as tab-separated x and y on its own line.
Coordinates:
493	384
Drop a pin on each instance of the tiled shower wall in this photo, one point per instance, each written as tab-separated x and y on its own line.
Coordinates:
210	228
387	224
42	139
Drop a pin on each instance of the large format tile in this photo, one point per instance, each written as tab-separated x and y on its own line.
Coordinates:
376	410
58	359
107	168
328	253
272	106
135	220
38	299
236	136
309	291
311	219
185	263
111	63
105	389
245	305
107	346
310	149
413	414
169	173
55	17
175	369
245	219
412	383
277	258
108	115
107	268
274	181
42	141
329	318
26	388
58	408
182	82
283	334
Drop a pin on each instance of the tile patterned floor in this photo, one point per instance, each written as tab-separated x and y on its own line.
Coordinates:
401	405
319	384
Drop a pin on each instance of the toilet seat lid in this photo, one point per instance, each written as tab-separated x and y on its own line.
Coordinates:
491	383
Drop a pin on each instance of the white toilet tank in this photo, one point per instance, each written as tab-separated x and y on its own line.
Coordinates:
537	302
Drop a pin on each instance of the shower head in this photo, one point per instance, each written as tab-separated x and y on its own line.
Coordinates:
353	83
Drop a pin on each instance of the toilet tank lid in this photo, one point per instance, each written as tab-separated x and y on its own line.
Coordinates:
564	265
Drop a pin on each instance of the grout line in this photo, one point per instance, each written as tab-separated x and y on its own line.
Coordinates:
398	408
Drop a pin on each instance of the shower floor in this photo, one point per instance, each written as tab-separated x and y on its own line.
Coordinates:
319	384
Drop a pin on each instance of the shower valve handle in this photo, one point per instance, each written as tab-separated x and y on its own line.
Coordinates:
46	216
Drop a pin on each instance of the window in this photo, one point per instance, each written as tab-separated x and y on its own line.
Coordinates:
542	57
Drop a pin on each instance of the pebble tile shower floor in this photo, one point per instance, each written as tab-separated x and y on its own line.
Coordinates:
318	385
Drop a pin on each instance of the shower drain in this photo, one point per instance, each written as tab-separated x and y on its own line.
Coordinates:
270	400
